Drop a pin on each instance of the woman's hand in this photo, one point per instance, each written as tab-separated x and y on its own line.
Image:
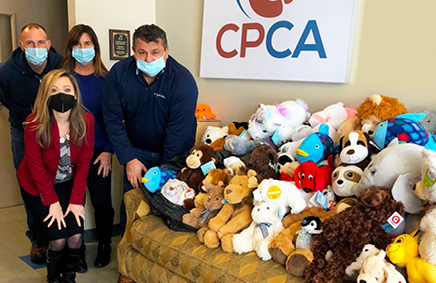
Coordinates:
105	159
55	213
78	211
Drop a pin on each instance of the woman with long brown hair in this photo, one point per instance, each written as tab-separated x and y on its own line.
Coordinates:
82	59
59	142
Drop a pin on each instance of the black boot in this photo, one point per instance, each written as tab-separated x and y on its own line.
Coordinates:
103	255
54	265
71	262
83	266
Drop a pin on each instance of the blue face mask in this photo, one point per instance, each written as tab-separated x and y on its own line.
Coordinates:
84	55
151	69
36	56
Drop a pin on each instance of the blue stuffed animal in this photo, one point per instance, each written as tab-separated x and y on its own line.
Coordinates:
156	177
316	147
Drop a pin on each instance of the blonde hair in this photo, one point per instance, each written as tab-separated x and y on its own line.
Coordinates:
44	115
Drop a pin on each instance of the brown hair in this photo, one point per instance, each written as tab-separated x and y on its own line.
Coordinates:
74	35
44	115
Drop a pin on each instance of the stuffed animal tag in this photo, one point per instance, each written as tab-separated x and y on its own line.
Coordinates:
395	220
320	199
189	193
429	178
206	167
276	137
274	192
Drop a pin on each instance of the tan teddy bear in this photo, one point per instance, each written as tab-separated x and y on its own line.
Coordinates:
234	216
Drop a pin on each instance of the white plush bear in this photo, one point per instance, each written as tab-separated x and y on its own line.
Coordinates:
267	223
213	133
285	194
333	114
177	191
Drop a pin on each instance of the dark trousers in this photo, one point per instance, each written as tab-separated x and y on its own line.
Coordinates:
149	159
17	146
99	189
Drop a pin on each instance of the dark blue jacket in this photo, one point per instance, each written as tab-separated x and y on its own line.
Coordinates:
158	117
19	84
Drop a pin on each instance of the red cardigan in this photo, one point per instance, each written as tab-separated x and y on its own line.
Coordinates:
37	171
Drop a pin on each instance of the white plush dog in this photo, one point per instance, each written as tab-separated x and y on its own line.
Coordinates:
352	271
376	269
267	223
283	193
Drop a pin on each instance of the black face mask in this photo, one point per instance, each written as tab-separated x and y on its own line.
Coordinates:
61	102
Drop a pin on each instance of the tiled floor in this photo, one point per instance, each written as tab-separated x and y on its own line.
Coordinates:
14	244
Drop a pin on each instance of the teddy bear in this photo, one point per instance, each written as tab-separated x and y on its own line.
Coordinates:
373	110
215	137
352	271
333	114
282	247
234	216
193	174
204	112
285	194
265	226
378	270
345	234
212	203
264	160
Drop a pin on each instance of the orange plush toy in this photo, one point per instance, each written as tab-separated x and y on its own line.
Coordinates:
203	112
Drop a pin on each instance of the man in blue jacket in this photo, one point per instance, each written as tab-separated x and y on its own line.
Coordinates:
149	107
20	76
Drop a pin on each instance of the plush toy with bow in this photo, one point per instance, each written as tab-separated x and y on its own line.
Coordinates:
265	226
312	178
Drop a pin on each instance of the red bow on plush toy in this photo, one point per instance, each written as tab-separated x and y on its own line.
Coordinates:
312	178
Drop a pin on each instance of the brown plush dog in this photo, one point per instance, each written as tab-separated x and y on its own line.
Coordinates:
346	233
373	110
235	214
264	160
192	174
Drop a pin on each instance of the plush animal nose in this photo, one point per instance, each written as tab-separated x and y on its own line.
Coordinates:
340	182
307	190
228	191
362	281
208	141
351	151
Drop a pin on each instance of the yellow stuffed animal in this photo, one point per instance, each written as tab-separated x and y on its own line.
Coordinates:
404	253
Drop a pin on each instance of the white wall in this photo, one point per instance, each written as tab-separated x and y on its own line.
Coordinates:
103	15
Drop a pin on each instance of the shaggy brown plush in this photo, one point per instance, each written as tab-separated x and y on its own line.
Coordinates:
346	233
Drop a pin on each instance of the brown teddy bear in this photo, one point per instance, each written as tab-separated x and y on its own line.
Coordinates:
264	160
282	247
192	174
234	216
375	109
346	233
212	203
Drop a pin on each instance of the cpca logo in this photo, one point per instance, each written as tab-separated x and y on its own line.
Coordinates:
268	9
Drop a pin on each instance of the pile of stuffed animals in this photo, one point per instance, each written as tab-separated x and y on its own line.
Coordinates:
327	195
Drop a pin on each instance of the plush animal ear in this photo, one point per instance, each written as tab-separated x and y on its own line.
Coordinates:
340	143
297	177
319	180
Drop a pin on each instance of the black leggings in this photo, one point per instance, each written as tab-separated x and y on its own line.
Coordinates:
101	198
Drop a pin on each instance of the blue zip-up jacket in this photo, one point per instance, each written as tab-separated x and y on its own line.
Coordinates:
159	117
19	84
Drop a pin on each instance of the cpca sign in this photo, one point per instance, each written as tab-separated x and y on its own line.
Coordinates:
296	40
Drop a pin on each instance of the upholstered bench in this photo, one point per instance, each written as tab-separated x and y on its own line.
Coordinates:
150	252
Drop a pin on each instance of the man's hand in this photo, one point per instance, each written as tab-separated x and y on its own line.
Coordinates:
134	169
105	159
